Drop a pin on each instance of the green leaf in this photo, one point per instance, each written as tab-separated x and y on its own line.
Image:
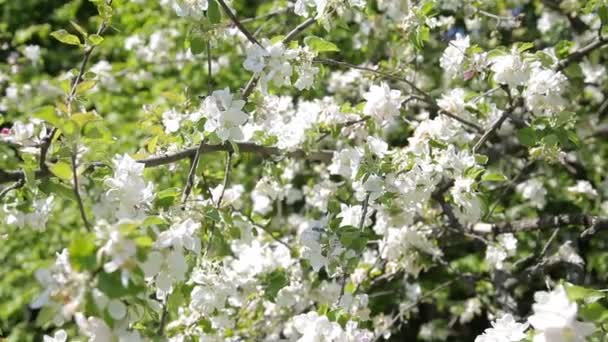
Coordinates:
84	86
95	39
104	10
527	136
273	283
579	293
353	238
82	252
112	286
48	114
427	8
79	28
562	48
62	170
65	37
493	177
167	197
320	44
523	47
197	45
213	12
594	312
481	159
603	13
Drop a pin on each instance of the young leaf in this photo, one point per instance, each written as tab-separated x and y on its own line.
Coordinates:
61	170
95	39
197	45
213	12
320	44
65	37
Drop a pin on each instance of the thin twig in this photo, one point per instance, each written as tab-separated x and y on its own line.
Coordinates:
364	211
424	95
581	53
77	192
253	81
415	304
226	178
163	319
344	125
495	126
11	187
263	151
238	24
193	166
298	29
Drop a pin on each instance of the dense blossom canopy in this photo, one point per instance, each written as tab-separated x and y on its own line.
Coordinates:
309	170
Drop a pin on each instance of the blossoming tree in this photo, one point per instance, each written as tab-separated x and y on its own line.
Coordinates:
310	170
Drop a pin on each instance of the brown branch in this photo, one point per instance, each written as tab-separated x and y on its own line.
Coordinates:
266	152
77	192
238	24
11	187
582	52
190	179
495	126
48	139
226	178
545	222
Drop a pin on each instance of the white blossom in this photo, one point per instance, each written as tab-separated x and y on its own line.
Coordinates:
454	55
383	103
32	52
554	318
510	69
59	336
224	115
534	191
504	329
582	187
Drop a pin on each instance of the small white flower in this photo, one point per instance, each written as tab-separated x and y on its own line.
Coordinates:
378	146
181	235
504	329
534	191
172	121
554	318
582	187
454	55
351	215
189	8
59	336
510	69
224	115
383	103
32	52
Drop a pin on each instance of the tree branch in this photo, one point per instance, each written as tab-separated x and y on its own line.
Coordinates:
495	126
289	37
545	222
77	192
11	187
226	179
238	24
424	96
582	52
266	152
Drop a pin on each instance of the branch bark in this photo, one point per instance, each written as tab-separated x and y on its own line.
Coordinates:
266	152
581	53
594	224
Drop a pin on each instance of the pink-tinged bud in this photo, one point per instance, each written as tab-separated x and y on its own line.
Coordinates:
5	131
468	74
